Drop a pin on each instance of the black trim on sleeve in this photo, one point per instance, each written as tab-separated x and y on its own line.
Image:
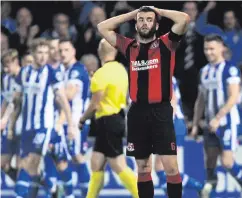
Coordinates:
174	37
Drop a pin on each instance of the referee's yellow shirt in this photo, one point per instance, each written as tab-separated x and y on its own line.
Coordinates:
112	79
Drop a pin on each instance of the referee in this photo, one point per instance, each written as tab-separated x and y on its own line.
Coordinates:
151	65
109	86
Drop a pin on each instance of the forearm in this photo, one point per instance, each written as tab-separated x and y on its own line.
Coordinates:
114	22
88	114
62	118
3	107
14	116
198	112
8	111
227	107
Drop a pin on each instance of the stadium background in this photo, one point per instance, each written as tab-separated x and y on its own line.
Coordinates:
79	15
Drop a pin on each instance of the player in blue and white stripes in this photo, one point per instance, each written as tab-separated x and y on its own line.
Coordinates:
10	140
218	95
77	90
36	86
181	132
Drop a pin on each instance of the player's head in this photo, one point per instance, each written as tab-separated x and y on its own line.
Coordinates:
105	50
214	48
4	43
61	23
91	63
54	50
97	15
10	61
27	59
230	21
40	50
190	8
146	22
67	51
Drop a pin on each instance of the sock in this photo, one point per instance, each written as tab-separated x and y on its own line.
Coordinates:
145	185
162	177
212	177
129	180
83	178
191	183
23	184
236	171
174	186
34	186
66	177
95	184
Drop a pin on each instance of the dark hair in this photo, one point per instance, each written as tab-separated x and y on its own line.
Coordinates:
148	9
214	37
65	40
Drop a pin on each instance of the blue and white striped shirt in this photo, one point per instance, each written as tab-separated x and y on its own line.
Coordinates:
78	76
37	87
179	112
9	87
214	81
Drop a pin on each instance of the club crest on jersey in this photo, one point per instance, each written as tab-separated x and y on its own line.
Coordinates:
74	74
59	76
233	71
154	45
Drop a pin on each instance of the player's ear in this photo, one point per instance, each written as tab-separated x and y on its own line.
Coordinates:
157	26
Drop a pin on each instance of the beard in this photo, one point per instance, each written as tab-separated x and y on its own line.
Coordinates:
149	34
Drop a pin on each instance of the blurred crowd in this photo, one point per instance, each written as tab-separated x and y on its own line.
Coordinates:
18	29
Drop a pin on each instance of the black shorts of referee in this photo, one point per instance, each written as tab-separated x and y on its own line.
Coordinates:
110	131
151	130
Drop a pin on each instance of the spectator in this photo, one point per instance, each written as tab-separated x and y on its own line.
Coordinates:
231	32
6	20
190	58
91	63
25	33
89	37
4	43
62	29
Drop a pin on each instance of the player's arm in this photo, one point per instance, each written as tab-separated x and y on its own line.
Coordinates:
92	107
180	19
174	102
17	103
5	117
233	92
3	107
198	112
107	27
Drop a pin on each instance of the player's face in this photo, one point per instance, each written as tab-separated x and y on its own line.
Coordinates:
146	25
229	20
27	60
67	52
10	65
191	9
213	50
54	50
41	55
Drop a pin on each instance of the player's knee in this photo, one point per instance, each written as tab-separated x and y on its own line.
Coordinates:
98	162
79	158
62	165
31	163
144	166
227	161
158	164
170	164
118	164
5	161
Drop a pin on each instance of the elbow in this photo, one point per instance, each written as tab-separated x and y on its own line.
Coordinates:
100	27
185	19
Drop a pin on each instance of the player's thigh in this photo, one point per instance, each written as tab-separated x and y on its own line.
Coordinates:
169	163
227	158
158	164
118	164
139	139
162	129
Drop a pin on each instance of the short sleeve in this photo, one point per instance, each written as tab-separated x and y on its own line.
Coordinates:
233	75
122	43
56	77
171	40
98	81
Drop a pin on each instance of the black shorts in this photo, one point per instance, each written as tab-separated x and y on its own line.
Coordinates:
151	130
110	130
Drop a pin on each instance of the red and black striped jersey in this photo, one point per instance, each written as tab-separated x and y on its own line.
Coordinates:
151	68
